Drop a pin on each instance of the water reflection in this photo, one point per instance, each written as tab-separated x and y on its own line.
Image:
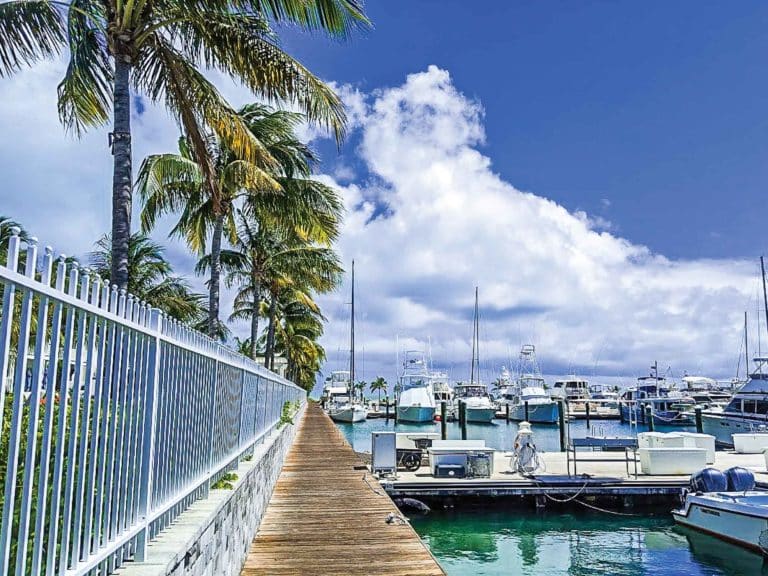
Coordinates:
578	544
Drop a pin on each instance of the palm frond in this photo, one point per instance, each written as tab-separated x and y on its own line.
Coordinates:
29	31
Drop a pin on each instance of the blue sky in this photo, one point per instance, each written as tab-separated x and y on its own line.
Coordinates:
652	115
597	168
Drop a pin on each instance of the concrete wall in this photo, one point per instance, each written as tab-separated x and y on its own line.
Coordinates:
212	537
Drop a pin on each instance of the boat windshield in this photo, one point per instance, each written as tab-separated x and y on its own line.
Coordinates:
409	382
471	391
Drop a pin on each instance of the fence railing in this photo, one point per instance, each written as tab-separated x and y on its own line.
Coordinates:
115	418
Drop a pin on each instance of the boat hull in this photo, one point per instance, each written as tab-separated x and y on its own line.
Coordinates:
349	414
722	426
728	521
661	418
537	413
484	415
416	414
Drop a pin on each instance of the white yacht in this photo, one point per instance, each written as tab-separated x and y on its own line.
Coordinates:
416	398
478	406
529	388
441	390
746	412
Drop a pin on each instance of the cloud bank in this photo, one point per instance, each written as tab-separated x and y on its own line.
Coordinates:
433	220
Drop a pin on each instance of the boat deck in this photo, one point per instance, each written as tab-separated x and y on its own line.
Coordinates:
327	516
605	478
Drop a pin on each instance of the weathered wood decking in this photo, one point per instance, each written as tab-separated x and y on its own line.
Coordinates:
325	519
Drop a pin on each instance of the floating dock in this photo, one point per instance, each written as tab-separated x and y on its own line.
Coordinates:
607	479
328	516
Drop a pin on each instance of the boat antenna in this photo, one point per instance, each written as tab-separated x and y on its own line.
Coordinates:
352	336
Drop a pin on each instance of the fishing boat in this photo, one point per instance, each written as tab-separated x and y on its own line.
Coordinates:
725	505
441	390
669	407
415	395
530	390
347	408
580	395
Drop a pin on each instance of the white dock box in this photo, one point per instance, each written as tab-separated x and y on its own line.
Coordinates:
750	443
672	461
706	441
650	439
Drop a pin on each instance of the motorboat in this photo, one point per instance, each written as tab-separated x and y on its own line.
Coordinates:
478	406
669	407
441	390
746	412
415	395
530	390
571	389
725	505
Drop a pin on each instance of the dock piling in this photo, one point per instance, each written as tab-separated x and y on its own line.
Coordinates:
463	419
386	403
649	417
395	410
561	423
443	423
586	408
699	424
621	412
506	410
526	411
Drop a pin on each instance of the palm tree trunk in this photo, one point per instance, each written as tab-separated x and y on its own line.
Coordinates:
255	314
121	176
215	287
269	353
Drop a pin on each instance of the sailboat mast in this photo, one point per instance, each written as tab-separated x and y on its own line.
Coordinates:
352	335
475	345
765	294
746	346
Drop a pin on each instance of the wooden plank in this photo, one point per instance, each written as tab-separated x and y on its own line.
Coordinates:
327	515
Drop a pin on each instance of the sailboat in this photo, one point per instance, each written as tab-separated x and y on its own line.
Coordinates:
477	401
348	408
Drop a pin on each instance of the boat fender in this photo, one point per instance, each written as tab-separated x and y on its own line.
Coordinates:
740	479
412	504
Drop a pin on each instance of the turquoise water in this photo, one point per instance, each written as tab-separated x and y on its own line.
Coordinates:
499	434
514	541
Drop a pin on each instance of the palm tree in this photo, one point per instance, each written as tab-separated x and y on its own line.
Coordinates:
379	385
277	193
158	49
299	327
151	278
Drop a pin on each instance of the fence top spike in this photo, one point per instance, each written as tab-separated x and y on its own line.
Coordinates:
75	264
15	230
48	250
63	258
32	240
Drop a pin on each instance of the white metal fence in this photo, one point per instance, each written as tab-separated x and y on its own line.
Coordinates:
114	417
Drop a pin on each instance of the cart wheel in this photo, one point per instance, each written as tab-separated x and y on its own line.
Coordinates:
411	462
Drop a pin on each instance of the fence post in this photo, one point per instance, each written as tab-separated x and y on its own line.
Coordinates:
148	434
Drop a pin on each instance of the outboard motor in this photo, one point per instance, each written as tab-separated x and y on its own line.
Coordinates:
709	480
740	479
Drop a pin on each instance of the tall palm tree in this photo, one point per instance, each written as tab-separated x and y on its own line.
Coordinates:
379	385
280	193
158	49
151	278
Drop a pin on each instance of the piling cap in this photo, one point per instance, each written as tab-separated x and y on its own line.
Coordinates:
524	428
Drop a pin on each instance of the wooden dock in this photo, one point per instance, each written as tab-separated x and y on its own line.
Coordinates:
327	515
